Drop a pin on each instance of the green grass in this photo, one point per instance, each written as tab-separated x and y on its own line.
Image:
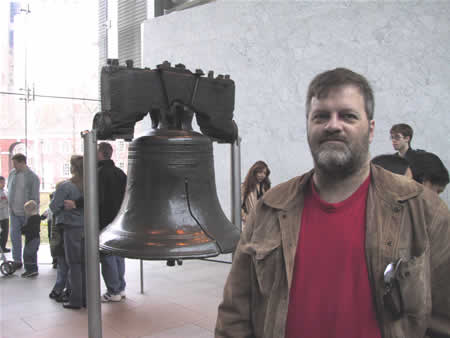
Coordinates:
45	201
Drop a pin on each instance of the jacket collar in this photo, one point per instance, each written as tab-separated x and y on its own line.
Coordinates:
393	188
390	187
106	163
286	195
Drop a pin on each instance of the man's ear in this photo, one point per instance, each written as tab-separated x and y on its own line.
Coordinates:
371	130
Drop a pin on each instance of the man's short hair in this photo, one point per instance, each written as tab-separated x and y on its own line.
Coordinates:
404	129
2	178
323	83
106	149
393	163
30	207
429	167
19	158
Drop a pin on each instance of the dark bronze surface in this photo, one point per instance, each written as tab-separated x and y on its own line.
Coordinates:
171	209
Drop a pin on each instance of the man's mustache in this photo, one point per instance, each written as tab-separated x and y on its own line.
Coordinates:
332	138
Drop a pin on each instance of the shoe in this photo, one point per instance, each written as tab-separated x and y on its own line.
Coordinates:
28	274
54	295
107	297
70	306
63	298
123	295
17	265
6	250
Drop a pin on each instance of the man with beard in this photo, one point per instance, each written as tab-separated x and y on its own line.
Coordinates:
347	249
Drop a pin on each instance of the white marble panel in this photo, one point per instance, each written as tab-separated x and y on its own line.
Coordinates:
272	49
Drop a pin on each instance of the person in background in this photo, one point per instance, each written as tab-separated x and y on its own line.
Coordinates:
396	164
4	216
111	190
31	230
431	172
256	183
61	290
348	249
112	182
23	186
72	222
401	137
48	215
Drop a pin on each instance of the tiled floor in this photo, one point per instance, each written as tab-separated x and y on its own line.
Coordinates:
178	301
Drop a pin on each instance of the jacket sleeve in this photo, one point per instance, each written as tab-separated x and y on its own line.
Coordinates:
35	189
10	189
25	228
79	203
243	211
234	314
57	203
439	233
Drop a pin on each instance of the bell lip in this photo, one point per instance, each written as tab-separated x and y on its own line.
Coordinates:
171	133
126	253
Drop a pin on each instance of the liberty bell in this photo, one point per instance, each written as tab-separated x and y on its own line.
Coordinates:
170	209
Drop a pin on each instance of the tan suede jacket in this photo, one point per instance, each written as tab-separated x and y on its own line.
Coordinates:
403	220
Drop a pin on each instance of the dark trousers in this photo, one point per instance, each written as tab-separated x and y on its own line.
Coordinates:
62	272
30	254
4	225
74	250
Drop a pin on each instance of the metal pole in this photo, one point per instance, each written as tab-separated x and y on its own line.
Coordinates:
236	183
27	96
142	278
91	229
26	120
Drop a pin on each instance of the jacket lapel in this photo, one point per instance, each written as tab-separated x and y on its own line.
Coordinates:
290	222
289	203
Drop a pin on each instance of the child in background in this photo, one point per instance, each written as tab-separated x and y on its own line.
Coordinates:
4	216
31	230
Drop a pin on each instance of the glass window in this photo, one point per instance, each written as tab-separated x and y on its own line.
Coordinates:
66	170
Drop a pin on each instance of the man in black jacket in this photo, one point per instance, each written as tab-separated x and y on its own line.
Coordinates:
401	137
111	186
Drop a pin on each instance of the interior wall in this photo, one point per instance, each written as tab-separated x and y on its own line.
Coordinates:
272	50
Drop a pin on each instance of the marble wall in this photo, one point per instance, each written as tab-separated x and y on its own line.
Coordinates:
272	49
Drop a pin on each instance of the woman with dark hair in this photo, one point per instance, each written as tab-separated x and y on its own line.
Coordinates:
256	183
72	222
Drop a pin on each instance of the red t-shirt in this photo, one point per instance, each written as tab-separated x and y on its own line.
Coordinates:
330	294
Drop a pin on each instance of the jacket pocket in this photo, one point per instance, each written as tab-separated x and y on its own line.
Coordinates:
415	286
267	262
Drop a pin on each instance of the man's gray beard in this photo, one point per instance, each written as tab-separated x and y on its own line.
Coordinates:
336	162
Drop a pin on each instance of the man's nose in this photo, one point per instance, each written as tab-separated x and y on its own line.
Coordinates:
334	123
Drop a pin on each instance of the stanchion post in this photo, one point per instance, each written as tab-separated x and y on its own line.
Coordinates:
91	230
142	276
236	183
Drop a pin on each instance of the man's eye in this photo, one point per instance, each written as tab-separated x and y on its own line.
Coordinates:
320	117
349	116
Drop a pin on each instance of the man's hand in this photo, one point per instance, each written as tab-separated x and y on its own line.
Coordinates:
69	205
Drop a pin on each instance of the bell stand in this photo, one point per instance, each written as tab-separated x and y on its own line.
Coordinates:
91	221
91	233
